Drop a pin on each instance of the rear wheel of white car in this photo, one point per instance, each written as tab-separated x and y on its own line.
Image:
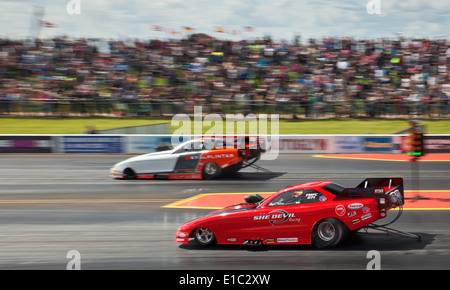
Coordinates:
204	236
211	170
328	233
129	174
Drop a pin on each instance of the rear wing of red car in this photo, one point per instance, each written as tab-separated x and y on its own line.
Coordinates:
388	191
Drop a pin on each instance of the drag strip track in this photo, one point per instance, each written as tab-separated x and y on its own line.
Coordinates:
52	204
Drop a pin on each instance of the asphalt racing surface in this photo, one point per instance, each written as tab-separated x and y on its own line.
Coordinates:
52	206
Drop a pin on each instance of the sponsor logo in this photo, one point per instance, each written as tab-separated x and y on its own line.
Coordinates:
366	209
355	206
304	144
340	210
358	190
364	217
378	144
352	213
277	217
355	221
287	240
215	156
211	156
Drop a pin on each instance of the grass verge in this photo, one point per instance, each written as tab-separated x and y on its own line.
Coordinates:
333	126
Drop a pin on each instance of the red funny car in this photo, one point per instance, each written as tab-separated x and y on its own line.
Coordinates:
319	213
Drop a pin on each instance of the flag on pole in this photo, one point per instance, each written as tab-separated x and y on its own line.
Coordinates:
219	29
35	23
47	24
249	28
157	28
172	32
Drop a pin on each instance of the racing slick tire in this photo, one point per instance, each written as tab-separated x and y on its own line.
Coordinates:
129	174
211	170
204	237
328	233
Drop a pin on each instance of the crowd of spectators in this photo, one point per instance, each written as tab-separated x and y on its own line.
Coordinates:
328	77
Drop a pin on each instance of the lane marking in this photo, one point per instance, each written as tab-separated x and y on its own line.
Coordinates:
38	155
385	157
191	201
81	201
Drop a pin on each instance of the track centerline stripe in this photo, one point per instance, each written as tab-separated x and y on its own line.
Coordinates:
80	201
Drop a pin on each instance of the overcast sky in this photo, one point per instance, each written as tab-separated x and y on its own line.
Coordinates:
281	19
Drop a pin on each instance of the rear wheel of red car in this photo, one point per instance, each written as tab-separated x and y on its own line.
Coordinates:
328	233
211	170
204	236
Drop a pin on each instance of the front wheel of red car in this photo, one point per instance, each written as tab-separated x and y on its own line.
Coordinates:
328	233
204	237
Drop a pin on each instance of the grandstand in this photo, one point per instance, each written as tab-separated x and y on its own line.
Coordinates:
321	78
